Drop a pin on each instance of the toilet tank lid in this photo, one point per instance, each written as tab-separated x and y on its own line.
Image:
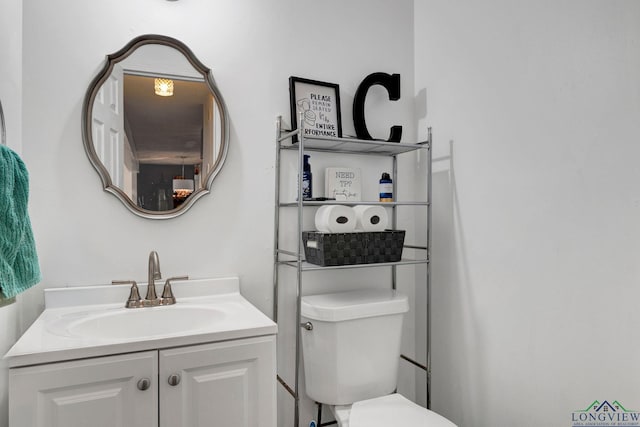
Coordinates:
349	305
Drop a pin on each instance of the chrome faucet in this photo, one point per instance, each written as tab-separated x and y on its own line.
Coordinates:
154	273
151	299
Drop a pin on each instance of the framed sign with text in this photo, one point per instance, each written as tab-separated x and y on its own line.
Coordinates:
319	104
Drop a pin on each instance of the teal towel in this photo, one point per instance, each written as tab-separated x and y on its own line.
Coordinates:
19	268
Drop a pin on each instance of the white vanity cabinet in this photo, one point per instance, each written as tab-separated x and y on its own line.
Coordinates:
207	360
226	384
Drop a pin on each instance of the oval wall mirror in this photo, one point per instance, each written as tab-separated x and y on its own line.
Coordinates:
155	127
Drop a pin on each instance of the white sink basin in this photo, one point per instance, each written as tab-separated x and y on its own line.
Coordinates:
128	323
91	321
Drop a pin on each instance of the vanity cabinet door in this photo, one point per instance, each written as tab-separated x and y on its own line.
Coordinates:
226	384
97	392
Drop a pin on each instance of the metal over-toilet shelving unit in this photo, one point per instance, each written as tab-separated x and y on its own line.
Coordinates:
294	257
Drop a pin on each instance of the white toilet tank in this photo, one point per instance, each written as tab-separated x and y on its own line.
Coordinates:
353	350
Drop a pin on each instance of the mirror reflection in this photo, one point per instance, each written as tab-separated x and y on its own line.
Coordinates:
156	129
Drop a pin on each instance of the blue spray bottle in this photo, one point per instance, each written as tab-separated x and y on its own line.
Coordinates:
386	188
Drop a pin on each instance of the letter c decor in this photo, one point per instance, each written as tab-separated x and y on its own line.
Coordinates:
391	82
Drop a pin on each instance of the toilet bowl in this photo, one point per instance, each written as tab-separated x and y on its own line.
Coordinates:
391	410
351	350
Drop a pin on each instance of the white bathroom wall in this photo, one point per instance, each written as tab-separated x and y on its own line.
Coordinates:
536	113
85	235
11	98
11	70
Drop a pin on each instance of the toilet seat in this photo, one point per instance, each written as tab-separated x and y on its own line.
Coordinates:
385	411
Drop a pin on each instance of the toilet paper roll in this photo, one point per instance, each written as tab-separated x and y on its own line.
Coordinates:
371	218
335	219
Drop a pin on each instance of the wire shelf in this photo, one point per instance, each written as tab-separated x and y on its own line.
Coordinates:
349	145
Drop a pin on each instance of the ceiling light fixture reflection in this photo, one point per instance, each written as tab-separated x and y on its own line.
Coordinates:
182	187
163	87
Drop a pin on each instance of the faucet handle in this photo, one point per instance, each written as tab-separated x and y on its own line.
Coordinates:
167	293
134	296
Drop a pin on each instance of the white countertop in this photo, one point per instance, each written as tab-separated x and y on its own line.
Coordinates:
45	342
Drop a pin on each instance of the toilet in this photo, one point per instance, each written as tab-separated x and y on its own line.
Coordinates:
351	349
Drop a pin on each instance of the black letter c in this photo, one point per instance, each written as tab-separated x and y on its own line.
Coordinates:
391	82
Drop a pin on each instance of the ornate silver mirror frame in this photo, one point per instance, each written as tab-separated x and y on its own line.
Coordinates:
88	132
3	129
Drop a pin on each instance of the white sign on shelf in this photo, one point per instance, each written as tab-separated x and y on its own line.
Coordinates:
343	184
